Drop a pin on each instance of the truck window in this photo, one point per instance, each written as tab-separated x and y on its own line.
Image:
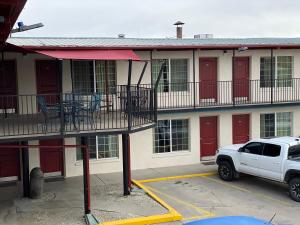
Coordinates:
253	148
271	150
294	152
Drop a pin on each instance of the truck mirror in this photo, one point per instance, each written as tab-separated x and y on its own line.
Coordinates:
240	149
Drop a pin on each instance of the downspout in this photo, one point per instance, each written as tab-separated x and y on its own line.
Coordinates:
194	78
233	76
272	76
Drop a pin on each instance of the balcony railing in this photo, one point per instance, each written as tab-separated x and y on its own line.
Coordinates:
207	94
123	110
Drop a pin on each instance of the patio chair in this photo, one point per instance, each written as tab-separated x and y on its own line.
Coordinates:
49	112
87	111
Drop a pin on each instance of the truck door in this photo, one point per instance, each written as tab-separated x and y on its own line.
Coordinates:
249	157
270	162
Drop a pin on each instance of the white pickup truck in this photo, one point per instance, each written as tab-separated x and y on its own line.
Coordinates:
276	159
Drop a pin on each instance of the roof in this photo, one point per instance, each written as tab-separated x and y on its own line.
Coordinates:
10	9
153	43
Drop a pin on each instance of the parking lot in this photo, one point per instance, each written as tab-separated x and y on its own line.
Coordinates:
205	196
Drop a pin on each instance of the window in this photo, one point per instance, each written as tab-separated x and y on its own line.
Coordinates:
282	70
91	76
104	146
171	136
271	150
253	148
174	76
294	152
276	124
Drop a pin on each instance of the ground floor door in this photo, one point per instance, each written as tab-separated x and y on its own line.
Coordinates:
240	128
9	163
51	158
208	78
208	135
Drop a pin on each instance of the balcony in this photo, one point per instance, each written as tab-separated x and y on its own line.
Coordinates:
70	114
226	94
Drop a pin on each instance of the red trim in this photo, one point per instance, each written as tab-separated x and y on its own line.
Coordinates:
164	47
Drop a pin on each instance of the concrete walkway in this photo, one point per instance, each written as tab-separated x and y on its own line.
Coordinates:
62	202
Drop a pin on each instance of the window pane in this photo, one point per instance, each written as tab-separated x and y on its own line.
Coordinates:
284	71
91	143
180	135
253	148
267	125
108	146
162	137
179	74
284	124
271	150
83	76
265	71
105	76
164	80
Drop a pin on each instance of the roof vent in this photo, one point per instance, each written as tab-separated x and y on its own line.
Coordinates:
179	26
121	35
203	36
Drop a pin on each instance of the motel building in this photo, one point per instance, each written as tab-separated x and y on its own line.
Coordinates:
139	103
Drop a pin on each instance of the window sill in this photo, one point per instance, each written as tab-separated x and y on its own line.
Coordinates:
171	154
97	161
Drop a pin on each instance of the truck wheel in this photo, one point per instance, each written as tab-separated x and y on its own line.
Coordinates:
294	189
226	171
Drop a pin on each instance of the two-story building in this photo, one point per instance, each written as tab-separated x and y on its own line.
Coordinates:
212	92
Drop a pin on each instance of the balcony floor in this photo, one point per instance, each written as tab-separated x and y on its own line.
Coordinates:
33	126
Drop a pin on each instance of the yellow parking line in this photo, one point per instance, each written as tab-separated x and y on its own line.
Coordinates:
250	192
177	177
204	213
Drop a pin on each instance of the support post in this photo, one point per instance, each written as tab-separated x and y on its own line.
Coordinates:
86	176
126	164
25	170
233	76
194	79
272	77
129	102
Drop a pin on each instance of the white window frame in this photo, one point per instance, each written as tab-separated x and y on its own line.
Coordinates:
170	72
275	122
276	67
171	144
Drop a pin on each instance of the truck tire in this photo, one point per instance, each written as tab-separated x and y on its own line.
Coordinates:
226	171
294	189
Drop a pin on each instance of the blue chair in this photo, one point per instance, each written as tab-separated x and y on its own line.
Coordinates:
49	112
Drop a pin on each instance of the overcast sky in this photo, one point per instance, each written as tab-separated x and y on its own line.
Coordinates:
154	18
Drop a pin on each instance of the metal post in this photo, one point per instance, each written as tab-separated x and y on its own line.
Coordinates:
61	97
25	169
233	77
194	79
156	87
126	164
86	176
129	103
272	77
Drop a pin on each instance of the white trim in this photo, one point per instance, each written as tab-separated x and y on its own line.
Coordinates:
6	179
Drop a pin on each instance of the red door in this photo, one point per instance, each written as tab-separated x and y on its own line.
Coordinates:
241	77
208	78
208	135
8	85
48	80
240	128
9	163
51	159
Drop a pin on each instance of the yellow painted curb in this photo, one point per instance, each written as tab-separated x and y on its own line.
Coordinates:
178	177
173	215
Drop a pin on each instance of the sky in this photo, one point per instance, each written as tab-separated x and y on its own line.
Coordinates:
155	18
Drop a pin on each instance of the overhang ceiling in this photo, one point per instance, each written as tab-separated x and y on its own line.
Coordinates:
9	11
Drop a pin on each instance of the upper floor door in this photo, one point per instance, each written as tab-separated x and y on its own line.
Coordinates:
8	84
48	80
208	78
241	78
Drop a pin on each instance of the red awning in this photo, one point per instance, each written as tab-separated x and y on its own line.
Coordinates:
91	54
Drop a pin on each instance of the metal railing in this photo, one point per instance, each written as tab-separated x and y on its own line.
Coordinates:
69	113
206	94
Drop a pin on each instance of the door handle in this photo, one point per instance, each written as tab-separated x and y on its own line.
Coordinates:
276	163
255	159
